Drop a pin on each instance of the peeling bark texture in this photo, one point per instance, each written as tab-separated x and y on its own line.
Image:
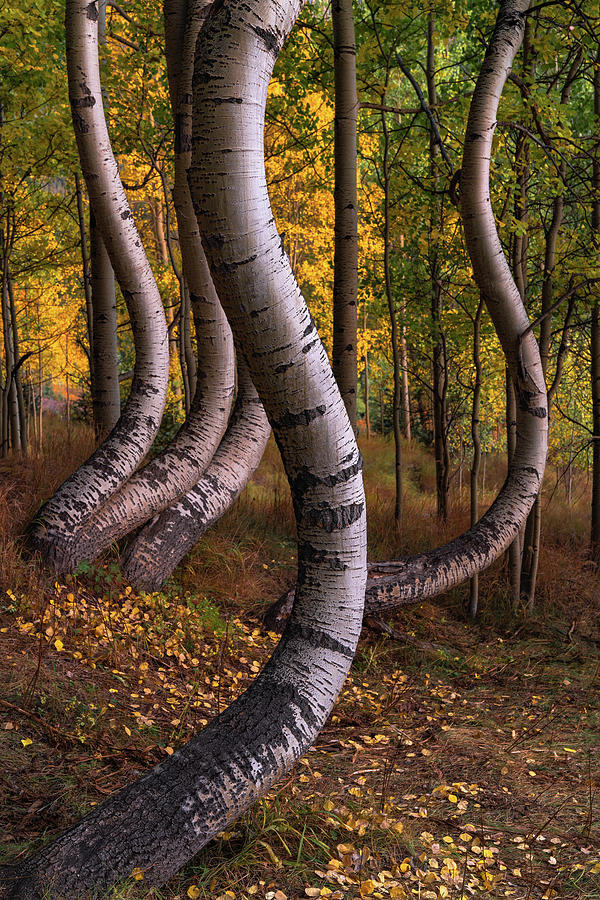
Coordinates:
161	821
122	451
345	262
161	545
106	397
175	471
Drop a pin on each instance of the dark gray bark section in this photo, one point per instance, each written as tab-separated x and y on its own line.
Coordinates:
161	545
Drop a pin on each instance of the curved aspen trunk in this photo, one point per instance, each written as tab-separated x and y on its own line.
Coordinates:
117	457
172	474
428	574
161	545
162	820
106	396
438	570
345	263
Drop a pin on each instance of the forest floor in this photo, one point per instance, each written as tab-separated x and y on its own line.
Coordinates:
472	770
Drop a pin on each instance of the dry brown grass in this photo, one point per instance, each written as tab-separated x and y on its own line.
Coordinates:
24	485
503	700
249	557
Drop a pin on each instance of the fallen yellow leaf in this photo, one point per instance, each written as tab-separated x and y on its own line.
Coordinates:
397	893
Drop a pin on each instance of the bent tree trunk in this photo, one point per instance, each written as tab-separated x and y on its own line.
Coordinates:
438	570
161	545
419	577
178	468
161	821
117	457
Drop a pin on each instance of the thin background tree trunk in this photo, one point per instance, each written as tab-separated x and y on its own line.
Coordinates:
367	386
595	337
106	396
345	260
514	551
475	438
534	522
18	361
439	357
87	277
396	407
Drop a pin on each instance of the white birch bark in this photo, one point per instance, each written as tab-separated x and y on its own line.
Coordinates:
124	448
161	821
178	468
438	570
161	545
431	573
